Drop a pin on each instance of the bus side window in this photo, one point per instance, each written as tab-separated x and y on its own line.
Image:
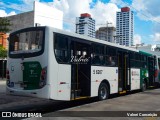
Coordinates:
61	48
97	54
111	59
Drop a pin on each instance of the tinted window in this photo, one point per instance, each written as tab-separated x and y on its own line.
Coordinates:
27	42
111	57
61	48
98	54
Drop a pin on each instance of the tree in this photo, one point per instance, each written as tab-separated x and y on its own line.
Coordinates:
4	25
4	28
3	52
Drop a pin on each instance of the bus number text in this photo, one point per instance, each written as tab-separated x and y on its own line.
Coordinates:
97	71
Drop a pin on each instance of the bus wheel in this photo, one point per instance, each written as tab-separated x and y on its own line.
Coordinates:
144	86
103	92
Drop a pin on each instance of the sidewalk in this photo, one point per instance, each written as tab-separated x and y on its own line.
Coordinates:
4	79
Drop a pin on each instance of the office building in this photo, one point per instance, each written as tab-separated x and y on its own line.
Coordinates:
33	18
124	27
85	25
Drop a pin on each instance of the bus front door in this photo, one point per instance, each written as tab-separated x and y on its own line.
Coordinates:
80	70
123	72
151	67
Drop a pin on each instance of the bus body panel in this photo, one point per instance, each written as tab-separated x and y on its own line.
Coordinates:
52	65
18	75
39	93
157	78
64	82
59	74
135	79
17	78
143	76
104	73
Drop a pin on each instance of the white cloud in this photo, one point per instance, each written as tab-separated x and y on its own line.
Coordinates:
12	13
147	10
104	13
137	39
29	2
155	37
101	12
4	14
119	3
71	9
26	5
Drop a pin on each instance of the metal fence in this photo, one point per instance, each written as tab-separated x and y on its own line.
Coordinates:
3	65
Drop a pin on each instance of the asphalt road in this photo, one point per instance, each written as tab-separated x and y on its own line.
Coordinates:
142	101
2	86
145	102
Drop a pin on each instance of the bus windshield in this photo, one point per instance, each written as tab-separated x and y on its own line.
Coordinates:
26	42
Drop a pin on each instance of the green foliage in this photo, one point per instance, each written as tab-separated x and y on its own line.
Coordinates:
3	52
4	28
4	25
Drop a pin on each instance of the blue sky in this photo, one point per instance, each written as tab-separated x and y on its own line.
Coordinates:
146	14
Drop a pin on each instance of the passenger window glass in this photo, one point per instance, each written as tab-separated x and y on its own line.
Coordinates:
98	54
61	48
111	58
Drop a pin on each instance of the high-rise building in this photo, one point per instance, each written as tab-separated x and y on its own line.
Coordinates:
106	33
85	25
124	27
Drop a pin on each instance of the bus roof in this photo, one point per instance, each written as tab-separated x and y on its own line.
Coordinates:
145	53
91	39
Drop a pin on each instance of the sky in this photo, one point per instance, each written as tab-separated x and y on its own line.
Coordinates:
146	14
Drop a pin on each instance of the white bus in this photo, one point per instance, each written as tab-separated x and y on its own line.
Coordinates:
54	64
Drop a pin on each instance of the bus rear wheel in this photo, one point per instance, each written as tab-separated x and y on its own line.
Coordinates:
103	92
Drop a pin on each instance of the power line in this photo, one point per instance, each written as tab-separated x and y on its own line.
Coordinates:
141	12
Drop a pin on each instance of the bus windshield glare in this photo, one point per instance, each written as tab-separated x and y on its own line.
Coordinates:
26	42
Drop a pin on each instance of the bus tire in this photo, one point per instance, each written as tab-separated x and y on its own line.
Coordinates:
103	92
144	87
